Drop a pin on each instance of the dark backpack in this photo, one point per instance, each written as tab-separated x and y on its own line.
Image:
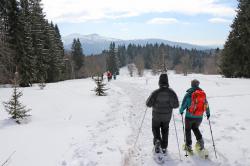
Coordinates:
198	103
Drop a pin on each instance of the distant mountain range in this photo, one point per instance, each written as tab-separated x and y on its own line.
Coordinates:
95	44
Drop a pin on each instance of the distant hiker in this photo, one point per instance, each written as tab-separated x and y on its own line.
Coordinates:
163	100
195	103
114	76
109	75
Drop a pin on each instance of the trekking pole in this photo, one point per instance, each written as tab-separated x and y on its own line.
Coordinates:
6	161
140	127
177	137
212	138
184	133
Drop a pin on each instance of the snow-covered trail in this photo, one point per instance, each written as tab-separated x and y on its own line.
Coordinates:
229	125
143	150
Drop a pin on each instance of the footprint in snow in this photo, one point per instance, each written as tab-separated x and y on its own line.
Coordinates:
99	153
229	138
111	149
242	128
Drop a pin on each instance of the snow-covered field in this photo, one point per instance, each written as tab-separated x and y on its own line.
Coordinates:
70	126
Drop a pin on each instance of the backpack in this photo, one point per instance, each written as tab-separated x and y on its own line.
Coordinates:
198	103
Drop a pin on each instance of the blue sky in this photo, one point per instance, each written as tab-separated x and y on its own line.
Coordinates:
203	22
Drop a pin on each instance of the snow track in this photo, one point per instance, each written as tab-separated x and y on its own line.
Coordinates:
70	126
138	89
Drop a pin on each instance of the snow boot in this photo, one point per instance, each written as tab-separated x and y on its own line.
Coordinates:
164	151
157	146
200	144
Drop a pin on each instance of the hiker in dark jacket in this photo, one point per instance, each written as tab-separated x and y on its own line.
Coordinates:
193	119
163	100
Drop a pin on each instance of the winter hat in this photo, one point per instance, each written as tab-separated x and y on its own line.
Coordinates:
163	80
195	83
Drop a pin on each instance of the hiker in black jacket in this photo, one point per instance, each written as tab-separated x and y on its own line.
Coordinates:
163	100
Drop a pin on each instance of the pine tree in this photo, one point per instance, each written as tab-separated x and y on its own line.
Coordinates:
121	54
100	89
235	60
54	57
112	59
59	41
14	107
6	51
3	20
29	42
13	27
40	52
27	61
77	55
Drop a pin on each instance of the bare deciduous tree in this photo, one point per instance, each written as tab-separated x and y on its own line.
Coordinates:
95	65
139	63
131	69
186	64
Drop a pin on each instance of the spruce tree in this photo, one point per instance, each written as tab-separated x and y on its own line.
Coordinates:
100	86
121	54
29	43
54	57
235	60
7	51
112	60
59	41
27	61
38	39
14	28
77	55
14	107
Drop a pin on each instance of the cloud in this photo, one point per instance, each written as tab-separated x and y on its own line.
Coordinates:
219	20
89	10
163	21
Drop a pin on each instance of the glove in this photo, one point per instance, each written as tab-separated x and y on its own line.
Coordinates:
208	116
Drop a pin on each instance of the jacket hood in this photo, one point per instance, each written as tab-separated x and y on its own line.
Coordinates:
163	80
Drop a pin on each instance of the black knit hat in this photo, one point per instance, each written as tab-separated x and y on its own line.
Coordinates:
163	80
195	83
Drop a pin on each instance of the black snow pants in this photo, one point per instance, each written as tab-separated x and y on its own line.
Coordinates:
192	124
160	132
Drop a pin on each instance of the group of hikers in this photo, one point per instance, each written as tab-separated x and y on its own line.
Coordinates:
164	100
110	75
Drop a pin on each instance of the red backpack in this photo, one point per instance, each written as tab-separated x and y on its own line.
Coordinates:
198	103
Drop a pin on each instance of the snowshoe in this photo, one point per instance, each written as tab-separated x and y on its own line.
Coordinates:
188	149
201	151
158	153
159	158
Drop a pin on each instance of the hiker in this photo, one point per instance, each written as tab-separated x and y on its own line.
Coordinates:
195	103
114	76
109	75
163	100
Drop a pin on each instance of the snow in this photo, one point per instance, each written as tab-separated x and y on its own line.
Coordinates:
70	126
